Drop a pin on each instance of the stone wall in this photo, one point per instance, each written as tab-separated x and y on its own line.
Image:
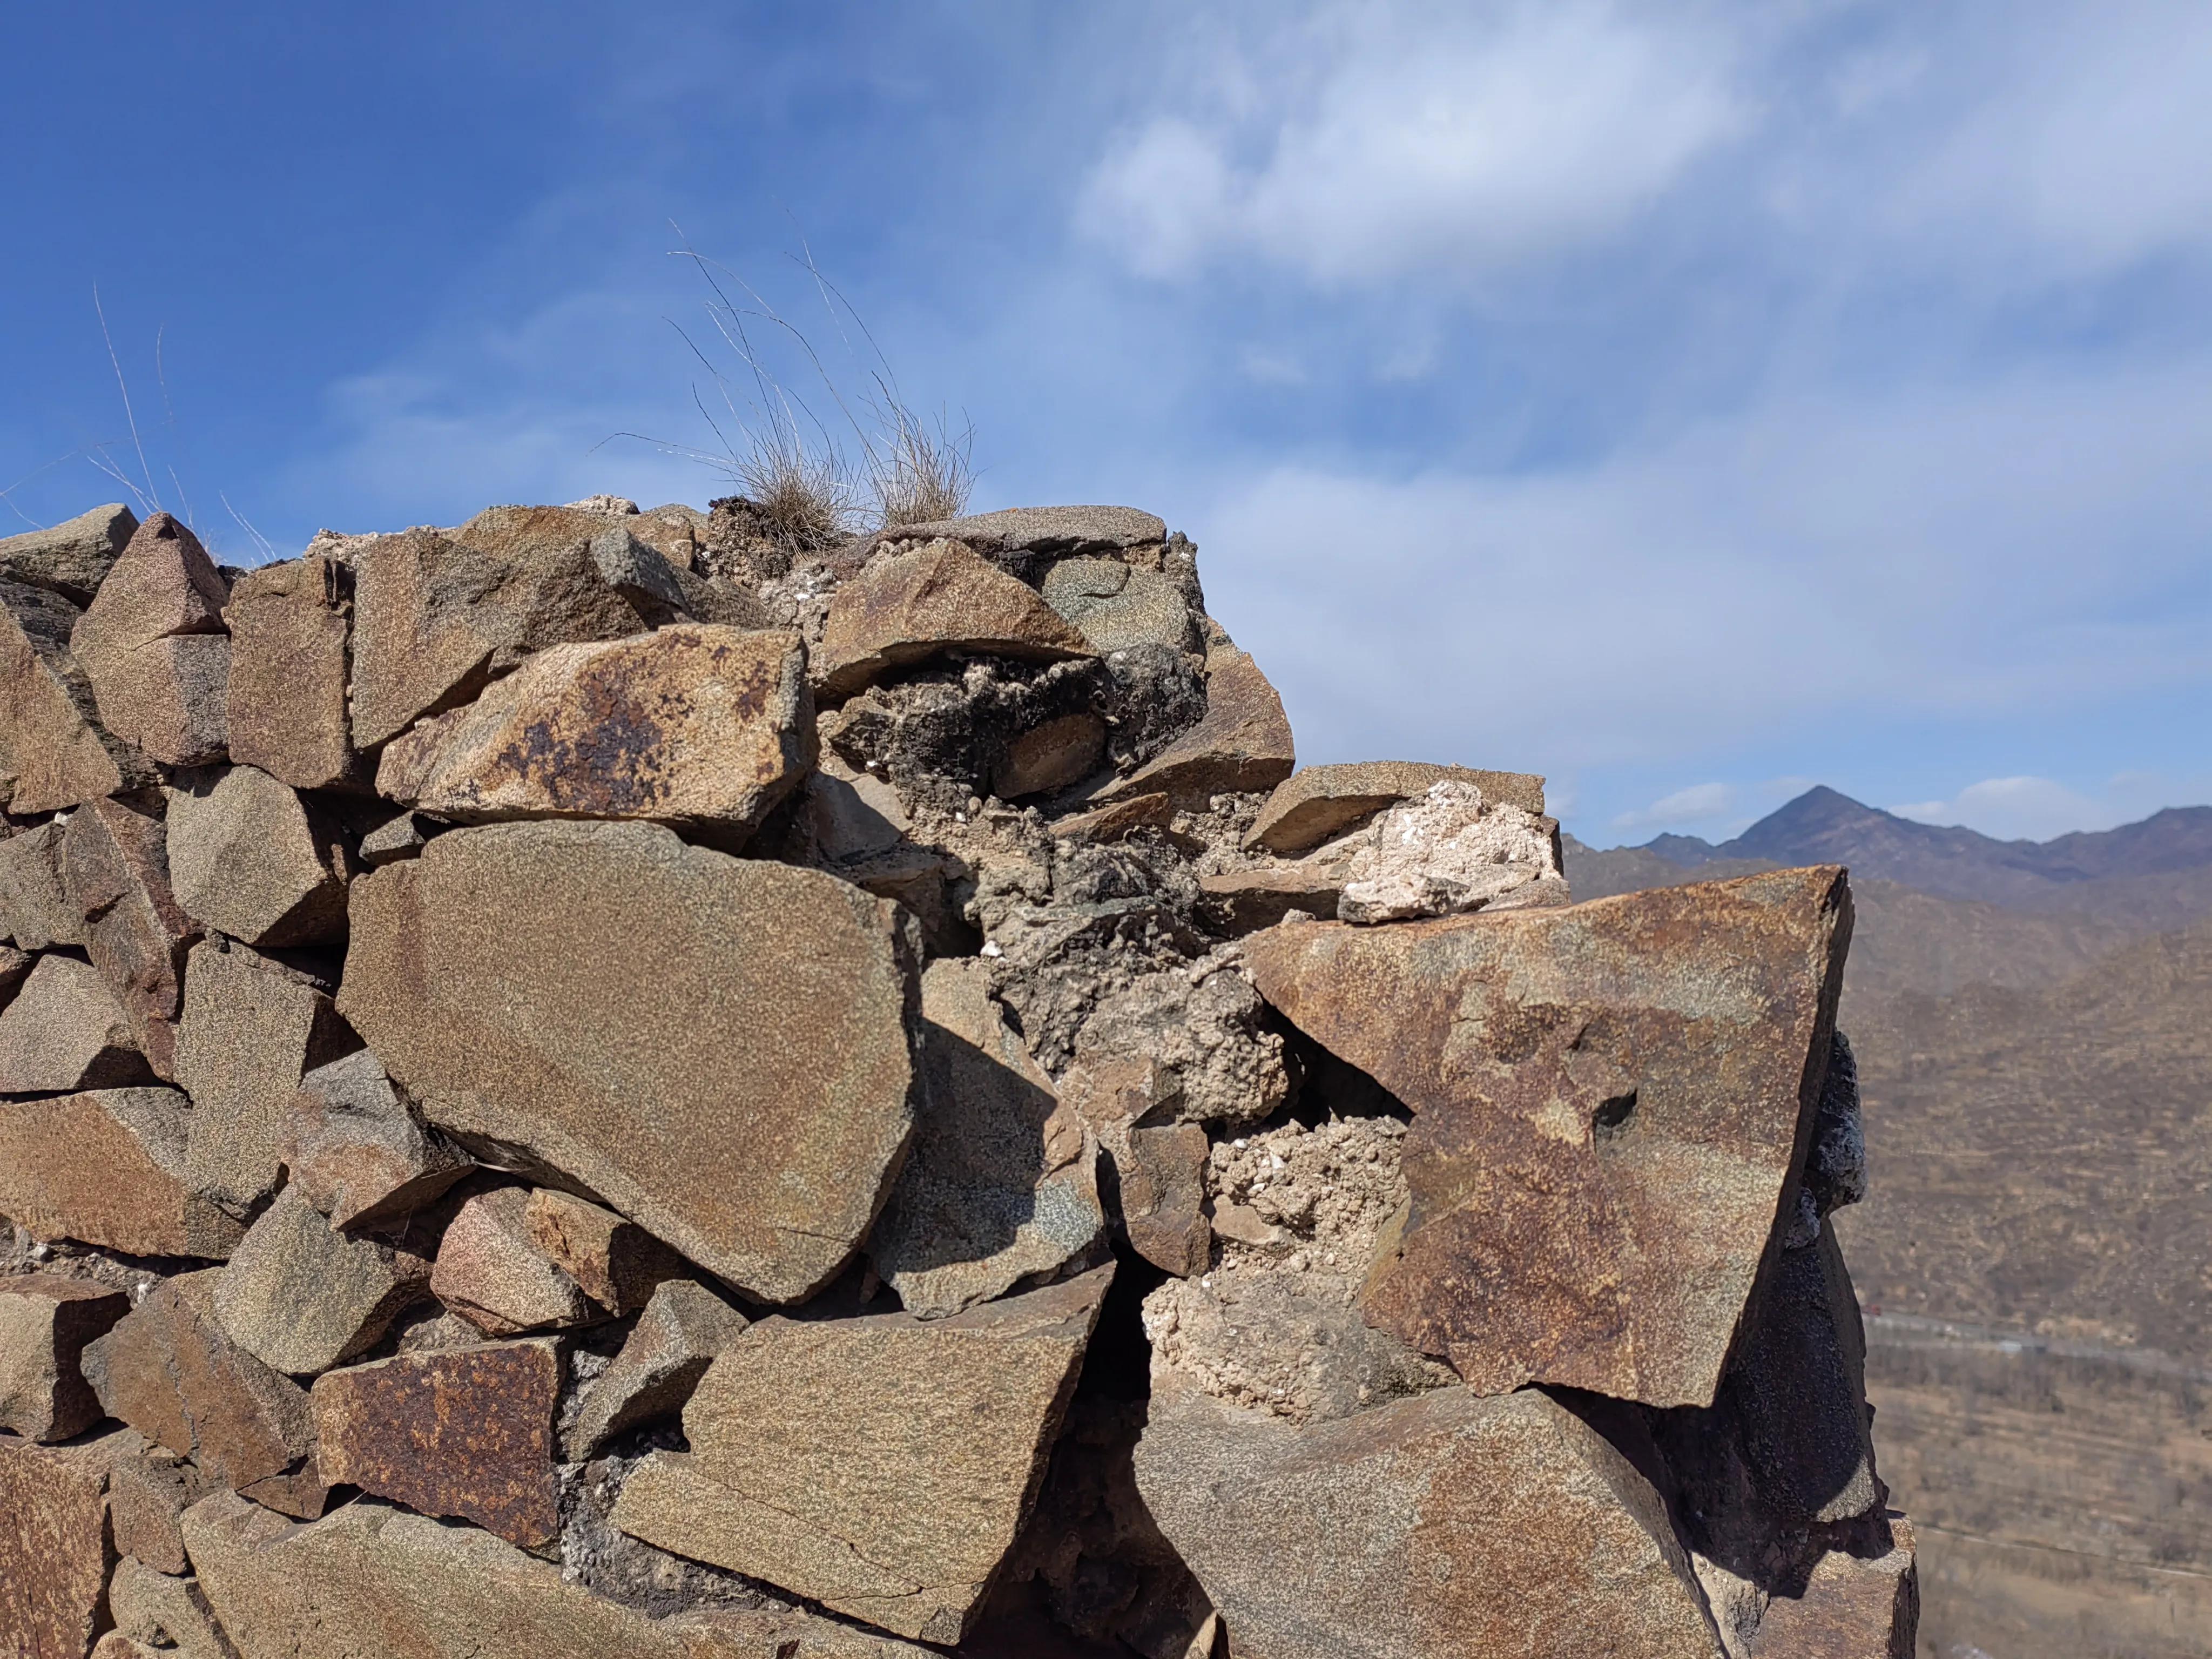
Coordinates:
587	1084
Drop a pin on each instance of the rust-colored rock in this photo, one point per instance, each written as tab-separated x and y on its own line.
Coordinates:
147	1496
54	753
616	1262
301	1297
249	858
706	728
677	1338
64	1032
1321	801
1240	901
168	1370
1610	1100
165	1614
45	1322
54	1548
465	1433
115	868
1243	744
741	1090
1116	818
1163	1197
155	648
493	1273
1850	1607
34	908
71	558
108	1168
355	1150
290	626
911	607
162	585
1440	1525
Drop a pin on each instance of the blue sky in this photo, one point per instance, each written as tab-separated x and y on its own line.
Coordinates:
1691	402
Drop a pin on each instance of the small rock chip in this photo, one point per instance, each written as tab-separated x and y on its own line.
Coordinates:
108	1168
1061	751
54	1548
45	1322
1117	819
355	1150
1163	1198
168	1614
1117	606
1319	802
290	625
791	1477
616	1262
912	606
71	558
494	1273
301	1297
115	867
706	728
677	1338
249	858
1244	744
403	836
34	908
147	1496
64	1032
465	1433
54	753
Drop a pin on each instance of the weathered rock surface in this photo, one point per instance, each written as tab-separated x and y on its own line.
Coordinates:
677	1337
1241	901
1041	529
881	1465
54	753
147	1498
403	836
301	1297
1243	744
252	1028
45	1322
467	1433
34	908
290	626
162	583
1163	1197
64	1032
1851	1607
495	1275
1051	757
115	868
1115	605
71	558
1610	1100
153	644
54	1548
746	1096
108	1167
1448	851
1319	802
910	607
164	1614
616	1262
1001	1181
706	728
249	858
1197	1038
355	1150
1441	1525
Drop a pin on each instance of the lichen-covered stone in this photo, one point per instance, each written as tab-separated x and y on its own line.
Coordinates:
1116	605
108	1167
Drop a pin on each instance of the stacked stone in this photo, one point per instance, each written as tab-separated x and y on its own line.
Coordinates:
582	1086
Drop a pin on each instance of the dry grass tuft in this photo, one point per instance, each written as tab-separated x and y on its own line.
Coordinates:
802	497
919	474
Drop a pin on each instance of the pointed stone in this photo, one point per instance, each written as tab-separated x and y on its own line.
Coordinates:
64	1033
290	625
675	1339
1319	802
355	1150
301	1297
147	1496
55	1554
790	1478
115	868
249	858
1610	1100
155	648
747	1103
54	753
465	1434
911	607
71	558
616	1262
34	909
706	728
163	584
45	1322
108	1168
492	1272
1243	744
404	835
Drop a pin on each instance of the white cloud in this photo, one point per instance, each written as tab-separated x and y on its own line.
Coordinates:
1699	803
2016	809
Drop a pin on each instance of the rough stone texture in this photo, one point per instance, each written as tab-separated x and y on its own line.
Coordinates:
1610	1100
34	908
1445	1524
154	646
115	868
166	1614
249	858
290	626
161	585
116	1645
616	1262
108	1168
355	1150
54	753
1163	1198
911	607
1319	802
1241	901
45	1322
1243	744
852	813
1196	1035
252	1030
495	1275
147	1496
1117	819
54	1549
1043	530
706	728
301	1297
71	558
745	1096
1001	1182
675	1339
467	1433
1851	1607
64	1032
1448	851
168	1370
1118	606
403	836
1051	757
881	1465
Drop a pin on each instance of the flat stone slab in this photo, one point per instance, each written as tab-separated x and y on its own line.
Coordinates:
285	712
71	558
1317	802
1043	530
1243	744
108	1167
911	607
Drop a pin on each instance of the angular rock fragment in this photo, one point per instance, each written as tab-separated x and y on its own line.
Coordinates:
675	1339
54	1548
466	1433
1850	1607
147	1496
1610	1100
1198	1036
1163	1198
54	753
169	1371
746	1098
1117	819
108	1168
492	1272
1061	751
355	1150
301	1297
162	583
45	1322
1116	605
911	607
1240	901
165	1614
34	908
155	647
401	836
252	1028
71	558
290	626
1448	851
249	858
1319	802
791	1477
706	727
115	868
614	1263
64	1033
1001	1181
1441	1525
1041	530
1243	744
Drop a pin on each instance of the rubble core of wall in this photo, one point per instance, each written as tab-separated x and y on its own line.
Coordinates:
589	1084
